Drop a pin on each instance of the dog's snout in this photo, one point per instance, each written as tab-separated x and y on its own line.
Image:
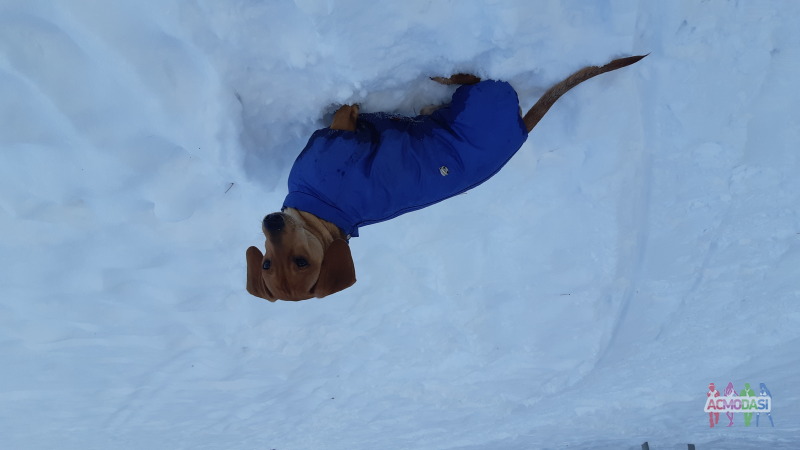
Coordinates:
274	222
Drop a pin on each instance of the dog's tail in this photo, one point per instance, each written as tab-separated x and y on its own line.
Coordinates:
546	101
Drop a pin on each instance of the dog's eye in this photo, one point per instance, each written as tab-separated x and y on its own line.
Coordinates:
267	264
301	262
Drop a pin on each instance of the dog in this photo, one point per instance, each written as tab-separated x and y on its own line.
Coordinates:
368	168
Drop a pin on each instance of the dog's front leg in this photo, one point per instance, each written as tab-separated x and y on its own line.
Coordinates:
345	118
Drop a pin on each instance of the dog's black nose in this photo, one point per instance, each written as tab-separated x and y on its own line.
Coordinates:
274	222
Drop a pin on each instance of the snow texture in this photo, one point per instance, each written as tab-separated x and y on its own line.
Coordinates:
644	242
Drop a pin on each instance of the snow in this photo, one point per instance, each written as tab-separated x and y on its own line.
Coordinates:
644	242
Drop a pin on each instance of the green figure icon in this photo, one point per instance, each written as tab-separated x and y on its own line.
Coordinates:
747	392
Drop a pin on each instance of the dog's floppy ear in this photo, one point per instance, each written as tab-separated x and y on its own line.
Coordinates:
255	282
337	271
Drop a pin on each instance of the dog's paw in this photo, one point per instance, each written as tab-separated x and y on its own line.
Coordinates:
459	78
430	109
345	118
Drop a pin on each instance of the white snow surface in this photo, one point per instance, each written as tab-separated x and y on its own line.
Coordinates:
644	242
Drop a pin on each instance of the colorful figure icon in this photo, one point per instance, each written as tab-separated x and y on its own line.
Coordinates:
747	392
730	392
713	418
764	392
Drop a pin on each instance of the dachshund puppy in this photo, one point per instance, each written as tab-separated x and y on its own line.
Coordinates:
368	168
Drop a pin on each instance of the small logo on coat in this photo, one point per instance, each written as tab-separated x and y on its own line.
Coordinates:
444	171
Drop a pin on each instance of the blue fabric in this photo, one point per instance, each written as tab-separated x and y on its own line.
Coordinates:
391	164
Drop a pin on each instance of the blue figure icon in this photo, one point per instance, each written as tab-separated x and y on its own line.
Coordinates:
765	393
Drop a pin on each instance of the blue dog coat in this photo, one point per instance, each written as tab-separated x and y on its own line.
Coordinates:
391	165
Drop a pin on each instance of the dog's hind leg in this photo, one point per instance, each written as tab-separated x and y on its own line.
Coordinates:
546	101
459	78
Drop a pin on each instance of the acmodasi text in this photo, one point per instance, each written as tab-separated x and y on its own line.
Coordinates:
738	404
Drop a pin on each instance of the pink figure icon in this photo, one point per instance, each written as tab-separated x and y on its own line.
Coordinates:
730	391
713	418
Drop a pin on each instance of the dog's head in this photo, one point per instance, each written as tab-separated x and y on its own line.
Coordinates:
298	263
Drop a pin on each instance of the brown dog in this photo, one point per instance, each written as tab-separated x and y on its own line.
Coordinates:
309	256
